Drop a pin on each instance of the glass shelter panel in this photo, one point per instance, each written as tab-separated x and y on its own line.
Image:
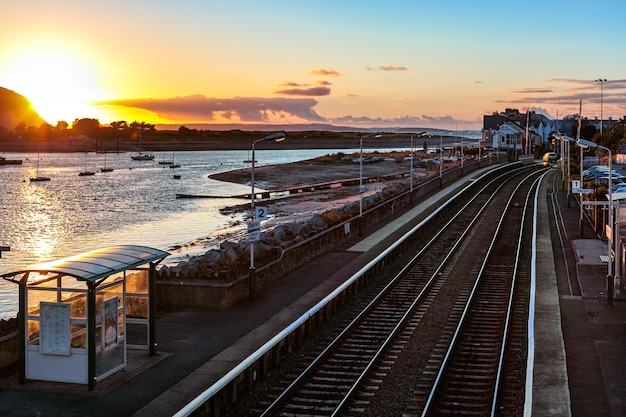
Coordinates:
137	308
110	327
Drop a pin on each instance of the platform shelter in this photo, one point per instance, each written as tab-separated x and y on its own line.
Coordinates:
78	315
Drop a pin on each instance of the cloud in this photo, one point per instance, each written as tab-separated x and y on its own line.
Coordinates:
198	108
322	72
312	91
532	90
476	82
291	84
401	121
388	68
565	95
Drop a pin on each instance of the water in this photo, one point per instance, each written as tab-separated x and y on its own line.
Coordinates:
134	204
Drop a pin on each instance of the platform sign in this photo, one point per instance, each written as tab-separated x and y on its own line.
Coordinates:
260	213
576	184
583	190
254	230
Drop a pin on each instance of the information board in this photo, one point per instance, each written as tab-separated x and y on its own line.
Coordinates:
254	231
54	328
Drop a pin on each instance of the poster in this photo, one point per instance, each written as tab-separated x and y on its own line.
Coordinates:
110	322
54	324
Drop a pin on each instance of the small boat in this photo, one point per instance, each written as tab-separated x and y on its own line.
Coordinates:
165	161
176	177
86	173
4	161
141	156
105	168
37	177
172	164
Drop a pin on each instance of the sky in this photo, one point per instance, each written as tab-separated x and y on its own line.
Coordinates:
364	64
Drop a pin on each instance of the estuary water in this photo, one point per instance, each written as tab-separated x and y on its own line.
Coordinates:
133	204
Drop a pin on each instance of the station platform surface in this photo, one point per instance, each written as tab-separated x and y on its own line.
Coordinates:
583	339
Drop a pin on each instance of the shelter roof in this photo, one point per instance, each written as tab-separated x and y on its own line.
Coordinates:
97	264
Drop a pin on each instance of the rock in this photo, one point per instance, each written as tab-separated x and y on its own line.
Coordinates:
317	221
294	229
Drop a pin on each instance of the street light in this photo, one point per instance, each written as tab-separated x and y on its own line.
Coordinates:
411	169
601	81
440	154
462	146
361	189
566	139
275	137
613	288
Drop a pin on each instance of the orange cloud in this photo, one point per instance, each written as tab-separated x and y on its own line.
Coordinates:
325	72
200	108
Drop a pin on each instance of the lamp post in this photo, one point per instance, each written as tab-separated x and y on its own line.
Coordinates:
411	168
361	189
613	287
440	155
601	81
275	137
480	139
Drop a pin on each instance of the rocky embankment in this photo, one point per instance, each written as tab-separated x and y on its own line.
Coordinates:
307	214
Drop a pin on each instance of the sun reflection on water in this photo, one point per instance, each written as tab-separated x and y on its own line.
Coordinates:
43	219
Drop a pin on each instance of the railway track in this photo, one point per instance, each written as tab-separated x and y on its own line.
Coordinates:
394	356
481	372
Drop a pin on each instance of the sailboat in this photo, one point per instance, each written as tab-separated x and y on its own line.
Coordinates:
142	156
37	177
165	161
85	172
105	168
174	165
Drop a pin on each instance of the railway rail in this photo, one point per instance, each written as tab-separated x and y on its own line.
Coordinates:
459	278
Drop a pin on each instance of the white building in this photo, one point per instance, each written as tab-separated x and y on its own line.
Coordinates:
509	136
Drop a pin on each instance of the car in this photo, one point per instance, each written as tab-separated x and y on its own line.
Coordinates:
601	173
550	157
591	172
604	180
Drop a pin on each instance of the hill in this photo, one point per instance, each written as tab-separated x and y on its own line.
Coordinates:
15	108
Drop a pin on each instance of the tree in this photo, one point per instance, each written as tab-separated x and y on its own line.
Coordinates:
61	125
45	131
87	127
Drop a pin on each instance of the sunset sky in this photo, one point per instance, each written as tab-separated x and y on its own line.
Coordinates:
365	64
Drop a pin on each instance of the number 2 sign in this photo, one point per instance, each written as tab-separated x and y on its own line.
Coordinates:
260	213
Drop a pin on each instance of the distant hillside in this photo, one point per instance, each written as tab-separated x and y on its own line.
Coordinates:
15	108
261	127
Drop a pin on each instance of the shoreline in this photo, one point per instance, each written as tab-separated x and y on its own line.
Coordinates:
297	207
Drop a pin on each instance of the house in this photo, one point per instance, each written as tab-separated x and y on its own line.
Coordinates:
539	127
507	136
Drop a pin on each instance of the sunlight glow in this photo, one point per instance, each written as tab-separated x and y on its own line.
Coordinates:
59	84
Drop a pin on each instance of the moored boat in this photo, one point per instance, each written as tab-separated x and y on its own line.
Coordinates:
141	156
4	161
37	177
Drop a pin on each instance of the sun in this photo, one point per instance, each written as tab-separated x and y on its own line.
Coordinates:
59	84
